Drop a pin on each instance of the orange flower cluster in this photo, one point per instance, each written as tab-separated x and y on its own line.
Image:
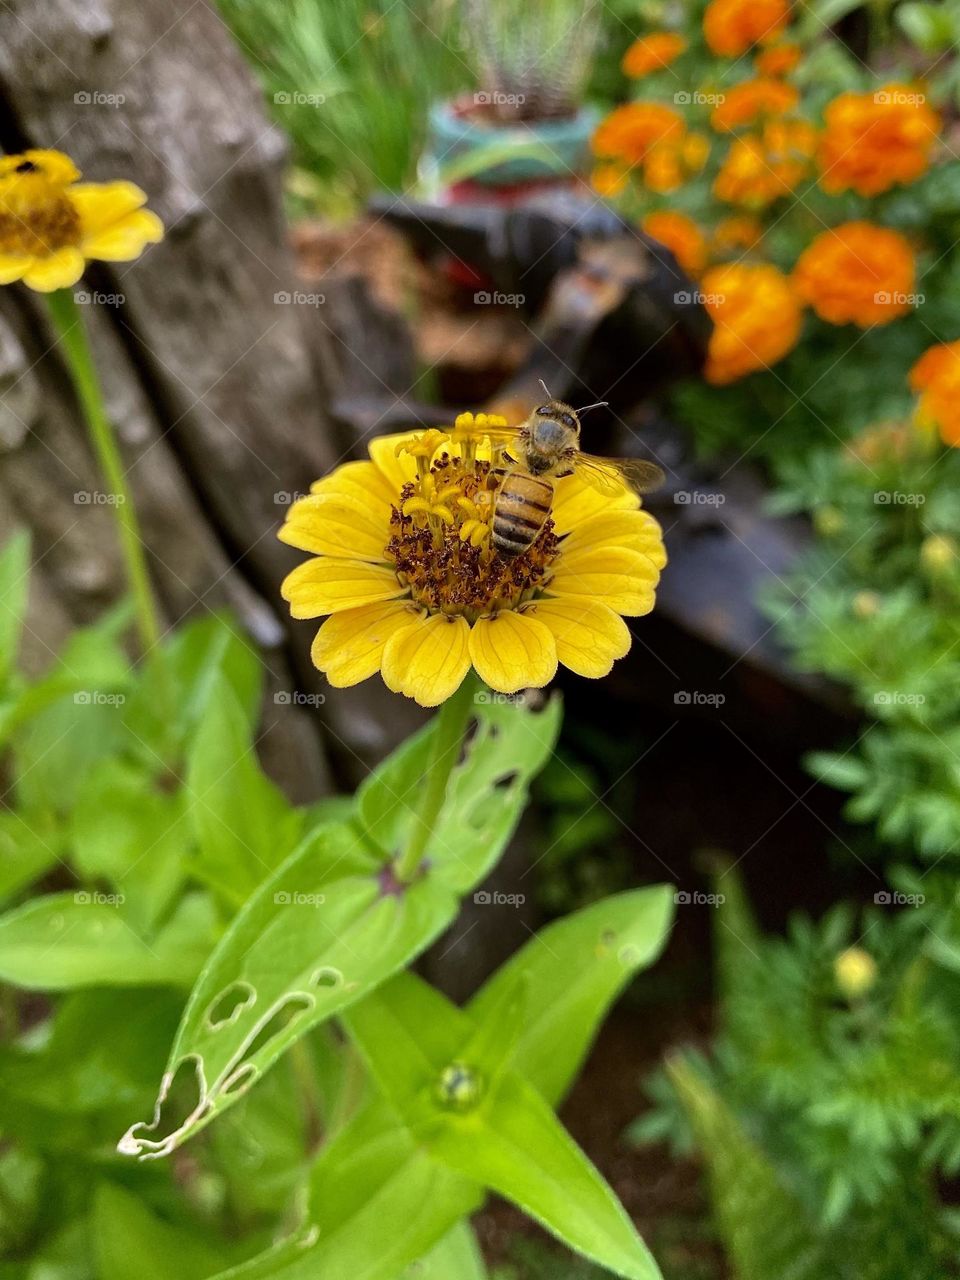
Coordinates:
757	318
778	61
759	168
857	273
653	137
748	101
630	132
731	27
652	53
936	376
872	141
682	237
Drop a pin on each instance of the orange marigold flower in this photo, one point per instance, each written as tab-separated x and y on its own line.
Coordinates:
756	315
936	376
608	179
629	132
652	53
663	169
857	273
732	26
778	61
682	237
695	151
759	168
872	141
741	231
753	98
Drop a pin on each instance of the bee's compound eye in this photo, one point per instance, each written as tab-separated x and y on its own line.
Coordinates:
544	411
567	420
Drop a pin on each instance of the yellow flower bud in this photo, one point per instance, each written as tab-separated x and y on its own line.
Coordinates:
938	554
828	521
855	971
866	604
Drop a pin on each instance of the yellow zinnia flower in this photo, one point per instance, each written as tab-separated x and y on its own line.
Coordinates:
411	587
51	224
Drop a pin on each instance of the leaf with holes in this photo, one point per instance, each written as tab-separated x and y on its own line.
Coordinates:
331	923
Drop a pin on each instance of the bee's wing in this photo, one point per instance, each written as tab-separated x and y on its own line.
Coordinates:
609	475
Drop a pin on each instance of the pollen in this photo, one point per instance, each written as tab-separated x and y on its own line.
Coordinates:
440	543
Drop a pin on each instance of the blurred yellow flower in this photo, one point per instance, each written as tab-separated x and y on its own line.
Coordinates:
872	141
936	377
756	315
652	53
760	168
608	179
857	273
855	971
682	237
51	223
751	100
412	588
779	60
731	27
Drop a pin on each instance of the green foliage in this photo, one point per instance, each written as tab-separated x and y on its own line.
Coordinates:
828	1110
874	604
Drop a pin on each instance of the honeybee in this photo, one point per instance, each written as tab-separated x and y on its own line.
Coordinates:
547	446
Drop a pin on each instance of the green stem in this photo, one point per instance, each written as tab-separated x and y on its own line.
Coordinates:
449	727
86	383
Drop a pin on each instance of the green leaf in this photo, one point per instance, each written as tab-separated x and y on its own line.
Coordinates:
499	1132
387	798
456	1257
128	1236
574	969
14	585
69	940
330	924
29	846
243	824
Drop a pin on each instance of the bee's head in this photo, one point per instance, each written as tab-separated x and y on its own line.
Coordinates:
552	428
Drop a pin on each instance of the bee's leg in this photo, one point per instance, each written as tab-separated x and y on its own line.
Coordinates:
558	475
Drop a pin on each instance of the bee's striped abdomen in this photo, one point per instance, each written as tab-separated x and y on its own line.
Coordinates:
520	511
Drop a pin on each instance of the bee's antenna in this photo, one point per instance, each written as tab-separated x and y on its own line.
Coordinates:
601	404
545	391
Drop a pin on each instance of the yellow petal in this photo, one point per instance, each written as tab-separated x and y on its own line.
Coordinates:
635	530
14	266
126	239
428	660
513	651
589	636
623	580
102	204
335	525
349	646
398	471
575	501
363	481
57	270
326	585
